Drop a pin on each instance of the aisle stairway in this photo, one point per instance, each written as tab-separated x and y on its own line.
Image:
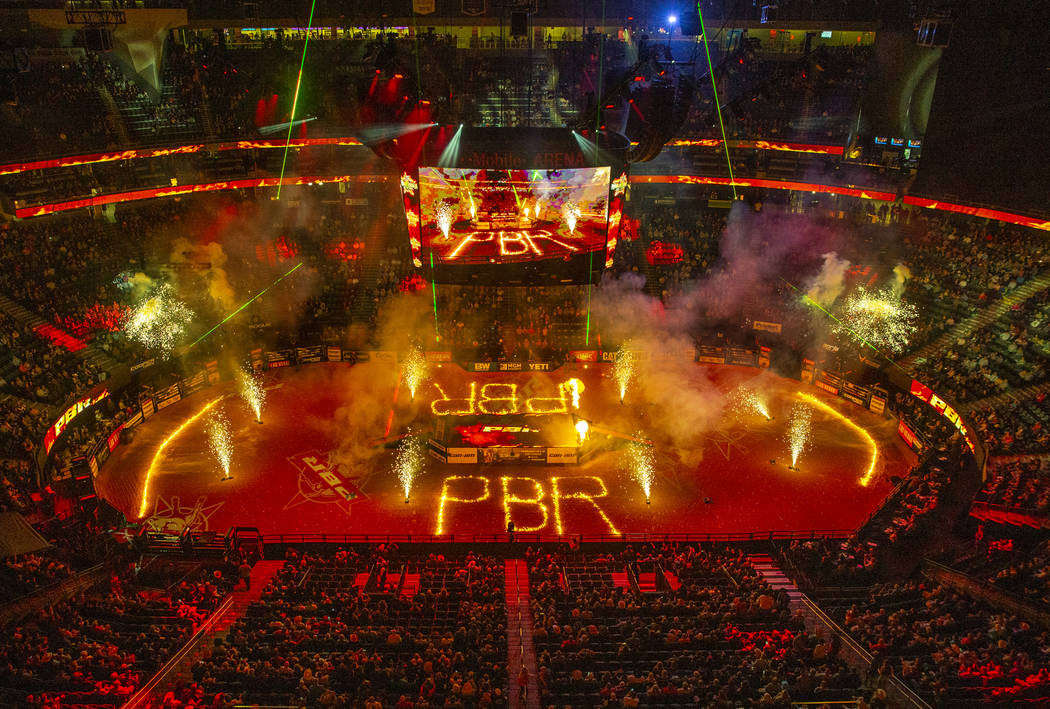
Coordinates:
520	650
178	670
768	570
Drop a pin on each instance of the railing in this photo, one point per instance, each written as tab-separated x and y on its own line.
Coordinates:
142	695
904	694
323	538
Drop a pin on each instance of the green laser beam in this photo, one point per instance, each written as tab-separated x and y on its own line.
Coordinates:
254	298
809	301
434	292
718	105
590	274
295	100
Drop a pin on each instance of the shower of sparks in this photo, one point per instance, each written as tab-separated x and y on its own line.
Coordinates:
798	431
748	400
880	318
253	394
581	429
220	439
414	370
159	321
444	216
641	465
409	462
571	212
574	387
473	209
623	370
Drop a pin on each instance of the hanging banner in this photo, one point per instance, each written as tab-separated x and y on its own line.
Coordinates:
766	326
473	8
424	7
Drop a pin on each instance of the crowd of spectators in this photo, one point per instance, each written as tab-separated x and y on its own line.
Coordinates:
97	647
953	650
1021	483
375	627
718	637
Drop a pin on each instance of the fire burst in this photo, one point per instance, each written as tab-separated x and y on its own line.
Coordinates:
642	467
253	394
159	321
444	217
571	212
221	442
414	370
581	429
748	400
623	370
880	318
574	387
409	462
798	431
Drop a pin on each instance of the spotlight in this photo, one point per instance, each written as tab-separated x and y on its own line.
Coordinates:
671	19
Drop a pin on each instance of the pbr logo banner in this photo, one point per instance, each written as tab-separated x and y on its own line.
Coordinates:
473	8
424	7
323	481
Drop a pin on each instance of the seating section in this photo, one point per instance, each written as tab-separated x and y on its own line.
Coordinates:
1021	485
94	650
721	637
369	627
954	651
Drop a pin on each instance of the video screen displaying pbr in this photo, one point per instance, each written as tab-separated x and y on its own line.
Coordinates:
479	216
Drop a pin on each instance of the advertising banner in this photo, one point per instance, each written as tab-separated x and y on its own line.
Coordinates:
582	355
763	357
257	359
143	365
766	326
510	366
878	400
308	354
739	355
386	356
539	366
905	432
439	356
167	396
462	455
561	456
711	354
483	366
857	394
148	407
921	391
278	359
334	354
808	366
193	383
212	370
72	411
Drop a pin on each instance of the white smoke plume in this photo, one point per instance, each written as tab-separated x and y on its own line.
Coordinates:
827	285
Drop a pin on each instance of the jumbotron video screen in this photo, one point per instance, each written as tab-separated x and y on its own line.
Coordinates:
513	226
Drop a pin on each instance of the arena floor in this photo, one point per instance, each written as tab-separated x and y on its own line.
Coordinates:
322	436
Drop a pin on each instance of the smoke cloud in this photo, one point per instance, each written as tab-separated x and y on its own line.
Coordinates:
829	283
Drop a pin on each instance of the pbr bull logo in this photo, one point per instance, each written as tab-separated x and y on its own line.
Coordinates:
323	481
